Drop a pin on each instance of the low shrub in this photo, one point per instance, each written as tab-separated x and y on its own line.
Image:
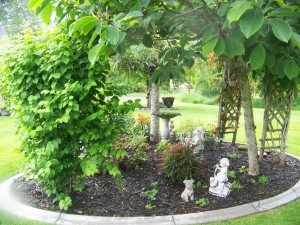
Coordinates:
179	163
133	151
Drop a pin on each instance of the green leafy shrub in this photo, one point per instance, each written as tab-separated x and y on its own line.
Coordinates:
179	162
65	121
132	151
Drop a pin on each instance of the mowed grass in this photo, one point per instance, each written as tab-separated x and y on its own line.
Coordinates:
10	159
287	215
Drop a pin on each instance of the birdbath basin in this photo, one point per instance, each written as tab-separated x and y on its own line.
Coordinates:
166	116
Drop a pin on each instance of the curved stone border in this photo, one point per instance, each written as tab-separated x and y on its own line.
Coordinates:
9	204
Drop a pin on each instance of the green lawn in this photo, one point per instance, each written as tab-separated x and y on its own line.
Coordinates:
287	215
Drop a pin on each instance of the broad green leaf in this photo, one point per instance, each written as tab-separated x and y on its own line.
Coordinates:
295	39
210	45
33	4
56	75
281	29
89	167
251	22
270	59
98	27
82	22
147	40
88	27
234	47
112	35
155	77
291	68
41	7
59	11
220	47
95	52
145	3
208	35
229	48
189	62
283	12
257	57
133	14
92	39
280	64
122	36
237	10
46	13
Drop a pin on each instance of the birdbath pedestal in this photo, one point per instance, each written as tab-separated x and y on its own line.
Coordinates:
166	116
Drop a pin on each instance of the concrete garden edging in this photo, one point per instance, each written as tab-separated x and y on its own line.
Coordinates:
10	205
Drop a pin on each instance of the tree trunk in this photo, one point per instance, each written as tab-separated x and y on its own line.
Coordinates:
249	124
148	97
154	122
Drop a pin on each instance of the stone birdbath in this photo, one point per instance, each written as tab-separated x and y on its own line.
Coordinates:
166	116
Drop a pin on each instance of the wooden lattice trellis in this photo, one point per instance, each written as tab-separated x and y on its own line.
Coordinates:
229	106
276	120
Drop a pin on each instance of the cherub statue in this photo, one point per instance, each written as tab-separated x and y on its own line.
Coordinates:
219	184
198	136
188	191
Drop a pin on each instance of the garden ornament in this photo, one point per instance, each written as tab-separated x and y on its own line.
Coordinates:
188	191
219	184
188	139
198	136
172	132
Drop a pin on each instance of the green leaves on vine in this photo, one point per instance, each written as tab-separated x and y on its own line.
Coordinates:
66	123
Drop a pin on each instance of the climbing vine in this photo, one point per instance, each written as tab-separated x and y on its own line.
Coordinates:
67	117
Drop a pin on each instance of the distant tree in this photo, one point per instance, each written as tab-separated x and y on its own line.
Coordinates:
15	16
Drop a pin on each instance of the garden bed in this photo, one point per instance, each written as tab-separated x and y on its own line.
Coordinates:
103	196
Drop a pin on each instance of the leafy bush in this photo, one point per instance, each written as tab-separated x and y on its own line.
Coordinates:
132	149
179	162
65	121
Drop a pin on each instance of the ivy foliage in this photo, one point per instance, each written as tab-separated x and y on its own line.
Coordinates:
67	117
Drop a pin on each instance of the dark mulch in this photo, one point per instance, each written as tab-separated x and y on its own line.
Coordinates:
101	196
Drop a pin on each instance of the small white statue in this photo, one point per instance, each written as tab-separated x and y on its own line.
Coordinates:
219	184
198	136
188	139
188	191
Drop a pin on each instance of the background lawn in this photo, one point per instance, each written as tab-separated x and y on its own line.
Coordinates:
10	160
